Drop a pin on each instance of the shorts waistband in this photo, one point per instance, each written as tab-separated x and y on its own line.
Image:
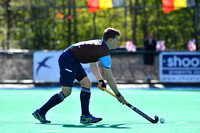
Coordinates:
69	53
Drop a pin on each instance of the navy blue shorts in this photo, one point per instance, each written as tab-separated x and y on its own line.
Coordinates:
70	69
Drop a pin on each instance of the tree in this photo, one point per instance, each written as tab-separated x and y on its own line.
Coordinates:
35	25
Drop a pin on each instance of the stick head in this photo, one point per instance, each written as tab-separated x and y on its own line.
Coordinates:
156	119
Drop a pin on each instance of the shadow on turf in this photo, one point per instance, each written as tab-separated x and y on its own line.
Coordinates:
116	126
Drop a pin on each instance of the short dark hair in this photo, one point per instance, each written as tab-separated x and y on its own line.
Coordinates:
110	33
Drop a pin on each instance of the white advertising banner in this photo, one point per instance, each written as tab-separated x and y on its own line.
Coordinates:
179	66
46	68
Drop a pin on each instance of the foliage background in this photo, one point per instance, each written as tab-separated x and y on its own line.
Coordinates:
35	25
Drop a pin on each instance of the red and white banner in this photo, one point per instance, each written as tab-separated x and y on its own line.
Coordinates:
192	45
130	46
160	45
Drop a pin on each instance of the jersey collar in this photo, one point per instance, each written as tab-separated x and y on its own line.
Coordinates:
105	43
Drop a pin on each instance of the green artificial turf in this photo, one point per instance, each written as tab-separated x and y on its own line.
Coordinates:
180	108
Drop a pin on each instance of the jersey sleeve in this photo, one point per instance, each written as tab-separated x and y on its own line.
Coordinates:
106	61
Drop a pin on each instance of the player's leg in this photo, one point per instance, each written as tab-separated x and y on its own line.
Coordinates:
86	117
67	76
40	114
85	94
55	99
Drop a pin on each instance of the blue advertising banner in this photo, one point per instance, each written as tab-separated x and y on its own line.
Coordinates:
179	67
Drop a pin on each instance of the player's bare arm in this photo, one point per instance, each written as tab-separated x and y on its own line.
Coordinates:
112	83
95	70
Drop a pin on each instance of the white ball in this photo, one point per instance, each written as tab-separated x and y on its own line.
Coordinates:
162	120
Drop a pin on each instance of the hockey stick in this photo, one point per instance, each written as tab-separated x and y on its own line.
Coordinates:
155	120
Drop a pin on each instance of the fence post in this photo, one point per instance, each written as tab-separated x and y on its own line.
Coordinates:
196	25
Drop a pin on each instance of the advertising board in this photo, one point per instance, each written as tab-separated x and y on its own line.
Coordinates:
179	66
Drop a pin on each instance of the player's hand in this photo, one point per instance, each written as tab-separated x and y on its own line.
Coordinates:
121	99
102	85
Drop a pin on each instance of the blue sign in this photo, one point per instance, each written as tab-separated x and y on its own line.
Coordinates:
179	67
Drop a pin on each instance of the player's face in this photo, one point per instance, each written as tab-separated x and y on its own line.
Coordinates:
114	42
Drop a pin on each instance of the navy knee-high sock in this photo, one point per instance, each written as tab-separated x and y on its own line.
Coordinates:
85	100
53	101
